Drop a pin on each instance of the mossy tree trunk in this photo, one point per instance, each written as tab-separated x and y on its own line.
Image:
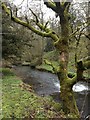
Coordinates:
67	96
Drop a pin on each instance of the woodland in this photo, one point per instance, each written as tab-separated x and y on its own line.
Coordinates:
50	36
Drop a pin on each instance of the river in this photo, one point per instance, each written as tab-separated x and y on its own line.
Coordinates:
45	84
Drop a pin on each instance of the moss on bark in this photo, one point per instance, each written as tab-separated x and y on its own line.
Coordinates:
68	100
66	83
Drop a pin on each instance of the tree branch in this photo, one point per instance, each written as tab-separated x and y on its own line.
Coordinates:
53	35
82	65
57	3
74	80
67	3
29	26
80	30
72	34
59	8
50	4
37	20
87	36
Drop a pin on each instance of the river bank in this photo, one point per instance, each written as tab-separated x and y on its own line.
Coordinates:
45	84
19	102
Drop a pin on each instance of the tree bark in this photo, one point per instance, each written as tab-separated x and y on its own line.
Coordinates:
67	96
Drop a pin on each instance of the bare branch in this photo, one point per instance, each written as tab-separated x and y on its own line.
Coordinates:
80	30
71	35
21	3
84	63
34	15
29	26
54	36
47	32
77	44
87	36
46	24
26	18
67	2
50	4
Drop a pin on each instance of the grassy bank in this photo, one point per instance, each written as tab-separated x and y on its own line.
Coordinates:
18	102
52	57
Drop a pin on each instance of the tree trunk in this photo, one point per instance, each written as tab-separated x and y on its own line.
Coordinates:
67	96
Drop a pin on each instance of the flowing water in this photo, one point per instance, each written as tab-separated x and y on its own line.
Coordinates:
45	83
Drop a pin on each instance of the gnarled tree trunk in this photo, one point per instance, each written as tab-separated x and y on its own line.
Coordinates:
67	96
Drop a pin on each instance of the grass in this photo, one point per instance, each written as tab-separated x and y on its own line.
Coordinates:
20	103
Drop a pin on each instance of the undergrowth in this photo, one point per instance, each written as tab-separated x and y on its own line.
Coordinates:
20	103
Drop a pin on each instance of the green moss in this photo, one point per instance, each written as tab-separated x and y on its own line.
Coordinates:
7	72
45	67
69	103
57	106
